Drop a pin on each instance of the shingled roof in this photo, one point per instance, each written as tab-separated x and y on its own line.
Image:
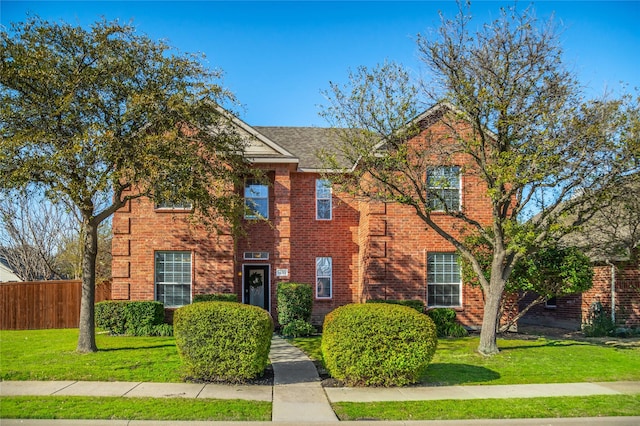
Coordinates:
303	142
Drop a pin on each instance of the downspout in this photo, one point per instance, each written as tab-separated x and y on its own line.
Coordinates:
613	291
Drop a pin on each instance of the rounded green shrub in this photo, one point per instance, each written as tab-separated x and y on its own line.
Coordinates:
223	340
418	305
215	297
446	324
298	328
295	302
377	344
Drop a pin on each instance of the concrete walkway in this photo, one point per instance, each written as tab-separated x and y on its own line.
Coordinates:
299	398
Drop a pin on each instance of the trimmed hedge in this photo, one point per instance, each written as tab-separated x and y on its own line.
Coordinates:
298	328
139	318
418	305
217	297
377	344
446	324
223	341
295	302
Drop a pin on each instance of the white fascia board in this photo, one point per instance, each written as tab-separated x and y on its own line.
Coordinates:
254	133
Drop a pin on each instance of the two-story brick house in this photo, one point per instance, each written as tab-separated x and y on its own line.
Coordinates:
300	229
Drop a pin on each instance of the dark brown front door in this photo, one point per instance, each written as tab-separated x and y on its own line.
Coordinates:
256	285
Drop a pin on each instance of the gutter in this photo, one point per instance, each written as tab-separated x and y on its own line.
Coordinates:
613	291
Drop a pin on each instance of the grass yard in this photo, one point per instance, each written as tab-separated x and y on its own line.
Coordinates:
79	407
515	408
50	355
456	362
542	360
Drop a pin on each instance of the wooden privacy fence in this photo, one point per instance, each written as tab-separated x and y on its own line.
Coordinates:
43	304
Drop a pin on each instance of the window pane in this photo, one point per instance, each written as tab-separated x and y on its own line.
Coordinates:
324	209
323	188
323	199
173	277
323	277
444	188
323	266
443	279
324	287
256	196
257	207
184	205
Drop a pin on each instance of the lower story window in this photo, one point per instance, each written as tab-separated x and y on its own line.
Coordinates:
324	272
443	280
173	278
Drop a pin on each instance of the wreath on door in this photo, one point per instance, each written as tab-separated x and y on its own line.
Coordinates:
255	280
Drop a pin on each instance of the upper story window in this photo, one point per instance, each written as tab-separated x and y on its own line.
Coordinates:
167	205
256	200
443	186
323	199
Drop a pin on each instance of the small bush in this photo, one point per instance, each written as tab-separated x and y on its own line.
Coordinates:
295	302
298	328
599	322
418	305
377	344
446	324
140	318
217	297
223	340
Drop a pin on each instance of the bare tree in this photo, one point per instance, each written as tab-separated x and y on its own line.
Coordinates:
530	136
32	233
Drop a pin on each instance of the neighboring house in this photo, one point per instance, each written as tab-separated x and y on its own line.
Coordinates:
611	239
6	273
349	250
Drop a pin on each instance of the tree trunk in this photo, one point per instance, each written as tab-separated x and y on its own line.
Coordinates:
87	335
493	296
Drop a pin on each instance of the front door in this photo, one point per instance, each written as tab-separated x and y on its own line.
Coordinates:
256	285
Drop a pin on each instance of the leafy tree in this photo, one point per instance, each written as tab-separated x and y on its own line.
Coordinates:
552	271
100	116
530	136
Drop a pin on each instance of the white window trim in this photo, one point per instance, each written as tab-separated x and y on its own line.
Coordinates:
460	284
324	276
247	213
155	281
174	208
436	188
330	198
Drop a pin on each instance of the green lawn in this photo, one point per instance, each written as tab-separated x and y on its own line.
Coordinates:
111	408
456	362
520	361
515	408
50	355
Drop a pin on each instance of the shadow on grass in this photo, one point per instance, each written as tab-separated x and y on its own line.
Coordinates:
134	348
449	374
543	344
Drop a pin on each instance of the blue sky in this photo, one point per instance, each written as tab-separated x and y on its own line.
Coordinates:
279	56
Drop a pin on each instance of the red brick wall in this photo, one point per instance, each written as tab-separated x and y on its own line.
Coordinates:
572	311
140	230
336	238
378	250
395	241
627	297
